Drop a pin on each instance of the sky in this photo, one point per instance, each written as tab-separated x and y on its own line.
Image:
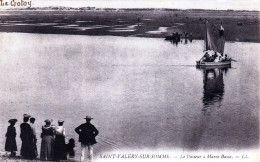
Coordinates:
179	4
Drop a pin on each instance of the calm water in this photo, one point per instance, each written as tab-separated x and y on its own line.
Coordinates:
142	92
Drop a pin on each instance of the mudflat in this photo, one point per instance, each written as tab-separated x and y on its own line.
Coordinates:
239	25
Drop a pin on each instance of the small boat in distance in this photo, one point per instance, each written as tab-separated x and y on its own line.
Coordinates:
176	37
214	42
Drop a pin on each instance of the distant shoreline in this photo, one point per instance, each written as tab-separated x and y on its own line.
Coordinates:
62	8
240	26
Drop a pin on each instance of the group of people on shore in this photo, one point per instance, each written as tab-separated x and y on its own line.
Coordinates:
53	146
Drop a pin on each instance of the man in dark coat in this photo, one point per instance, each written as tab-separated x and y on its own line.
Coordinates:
87	133
27	138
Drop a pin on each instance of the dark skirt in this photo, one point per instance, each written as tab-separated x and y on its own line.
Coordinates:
59	148
47	148
35	152
27	148
10	144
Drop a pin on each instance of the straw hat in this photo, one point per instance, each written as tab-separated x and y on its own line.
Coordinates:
26	116
60	121
88	117
12	120
48	120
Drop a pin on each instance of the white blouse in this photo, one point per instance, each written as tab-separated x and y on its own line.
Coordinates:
59	130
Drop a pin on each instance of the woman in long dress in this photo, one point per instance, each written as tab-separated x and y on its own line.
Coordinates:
10	143
59	148
27	138
34	144
47	145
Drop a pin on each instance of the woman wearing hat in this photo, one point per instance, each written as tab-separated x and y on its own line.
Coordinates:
10	143
27	138
47	145
35	153
59	146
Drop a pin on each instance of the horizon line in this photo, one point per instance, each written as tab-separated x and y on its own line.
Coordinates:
134	8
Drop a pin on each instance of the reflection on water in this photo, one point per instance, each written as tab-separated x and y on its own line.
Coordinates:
182	41
143	92
213	86
213	92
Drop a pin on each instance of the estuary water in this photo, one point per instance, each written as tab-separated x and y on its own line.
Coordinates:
143	93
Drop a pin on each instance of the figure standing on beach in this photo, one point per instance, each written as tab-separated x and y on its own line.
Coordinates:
27	138
34	153
47	145
10	143
59	146
87	133
70	148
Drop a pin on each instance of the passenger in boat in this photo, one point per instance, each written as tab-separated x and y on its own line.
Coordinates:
226	58
206	57
186	34
212	58
218	59
178	37
190	38
215	55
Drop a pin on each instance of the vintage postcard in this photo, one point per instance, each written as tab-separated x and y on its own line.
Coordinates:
129	80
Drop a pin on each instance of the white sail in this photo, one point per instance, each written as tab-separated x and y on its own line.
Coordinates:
214	38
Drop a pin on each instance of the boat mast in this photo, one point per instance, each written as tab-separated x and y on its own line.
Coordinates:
206	39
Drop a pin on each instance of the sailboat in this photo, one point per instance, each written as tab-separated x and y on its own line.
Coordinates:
214	41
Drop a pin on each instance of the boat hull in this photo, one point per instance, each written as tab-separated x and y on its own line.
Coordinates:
213	64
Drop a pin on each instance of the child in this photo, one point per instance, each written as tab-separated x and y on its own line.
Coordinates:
10	144
70	147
